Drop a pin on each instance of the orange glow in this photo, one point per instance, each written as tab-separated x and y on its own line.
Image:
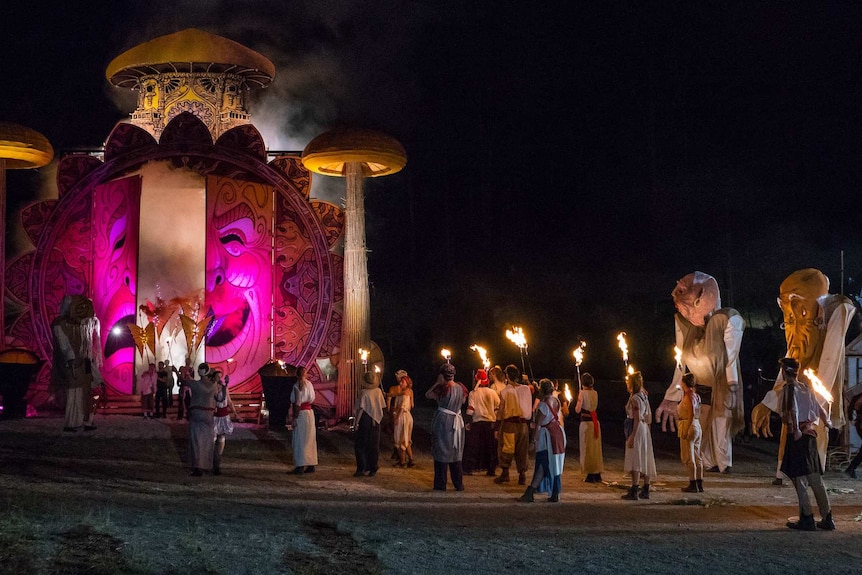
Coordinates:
579	353
483	355
516	336
817	385
624	346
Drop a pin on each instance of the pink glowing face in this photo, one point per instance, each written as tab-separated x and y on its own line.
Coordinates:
238	276
115	258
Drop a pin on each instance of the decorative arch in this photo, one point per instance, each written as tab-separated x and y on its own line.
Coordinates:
307	276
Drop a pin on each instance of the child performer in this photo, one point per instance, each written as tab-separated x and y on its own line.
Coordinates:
689	433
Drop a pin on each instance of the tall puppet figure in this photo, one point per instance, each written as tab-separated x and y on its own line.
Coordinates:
815	323
709	337
77	359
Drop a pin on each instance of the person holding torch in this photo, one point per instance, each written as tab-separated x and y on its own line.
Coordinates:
589	431
801	413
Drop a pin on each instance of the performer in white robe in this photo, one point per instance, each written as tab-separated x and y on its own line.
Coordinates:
304	439
402	405
201	430
639	458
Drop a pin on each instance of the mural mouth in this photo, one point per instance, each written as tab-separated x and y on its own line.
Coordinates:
120	337
228	335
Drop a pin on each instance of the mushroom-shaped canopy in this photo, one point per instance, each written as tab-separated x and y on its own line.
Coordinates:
23	148
379	154
190	50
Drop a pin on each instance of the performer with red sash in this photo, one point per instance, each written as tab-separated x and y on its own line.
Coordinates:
304	439
589	431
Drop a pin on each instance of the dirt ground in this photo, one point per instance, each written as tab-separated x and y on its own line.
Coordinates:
120	500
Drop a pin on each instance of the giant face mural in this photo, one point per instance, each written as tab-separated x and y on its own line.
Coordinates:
116	211
238	275
86	242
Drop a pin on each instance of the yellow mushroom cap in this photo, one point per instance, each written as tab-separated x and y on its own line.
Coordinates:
23	148
379	154
190	50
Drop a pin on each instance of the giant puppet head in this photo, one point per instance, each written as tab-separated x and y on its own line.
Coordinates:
800	298
696	297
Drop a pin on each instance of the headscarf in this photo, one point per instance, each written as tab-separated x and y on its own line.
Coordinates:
481	377
447	370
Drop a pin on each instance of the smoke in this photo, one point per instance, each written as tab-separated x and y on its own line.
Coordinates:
337	62
173	229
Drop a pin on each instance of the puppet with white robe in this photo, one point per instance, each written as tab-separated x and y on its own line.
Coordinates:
710	337
77	359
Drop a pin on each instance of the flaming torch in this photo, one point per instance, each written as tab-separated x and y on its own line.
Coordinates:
818	387
483	355
677	356
568	393
624	348
447	355
516	336
363	355
579	359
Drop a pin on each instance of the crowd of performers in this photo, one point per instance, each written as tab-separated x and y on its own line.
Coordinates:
493	425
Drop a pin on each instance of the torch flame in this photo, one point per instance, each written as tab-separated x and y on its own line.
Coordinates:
677	355
630	369
516	336
568	393
624	346
447	355
363	355
483	355
579	353
817	385
376	369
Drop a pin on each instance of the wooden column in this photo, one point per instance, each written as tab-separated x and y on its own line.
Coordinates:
355	327
2	254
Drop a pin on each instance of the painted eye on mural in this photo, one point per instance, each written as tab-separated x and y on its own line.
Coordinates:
233	243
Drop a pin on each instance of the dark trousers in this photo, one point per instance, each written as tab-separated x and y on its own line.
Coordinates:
182	402
480	447
440	478
162	400
857	459
367	447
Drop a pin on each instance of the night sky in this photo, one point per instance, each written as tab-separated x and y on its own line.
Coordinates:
565	165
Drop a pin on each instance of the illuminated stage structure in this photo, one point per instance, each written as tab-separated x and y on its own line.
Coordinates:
184	234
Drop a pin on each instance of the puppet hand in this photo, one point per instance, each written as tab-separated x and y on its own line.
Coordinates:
760	421
666	413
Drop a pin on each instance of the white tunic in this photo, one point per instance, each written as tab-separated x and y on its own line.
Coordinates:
304	440
640	458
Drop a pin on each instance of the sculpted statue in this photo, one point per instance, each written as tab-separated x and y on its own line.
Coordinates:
77	358
815	323
709	337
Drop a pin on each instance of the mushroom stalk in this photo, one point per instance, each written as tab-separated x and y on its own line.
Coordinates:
2	254
355	329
